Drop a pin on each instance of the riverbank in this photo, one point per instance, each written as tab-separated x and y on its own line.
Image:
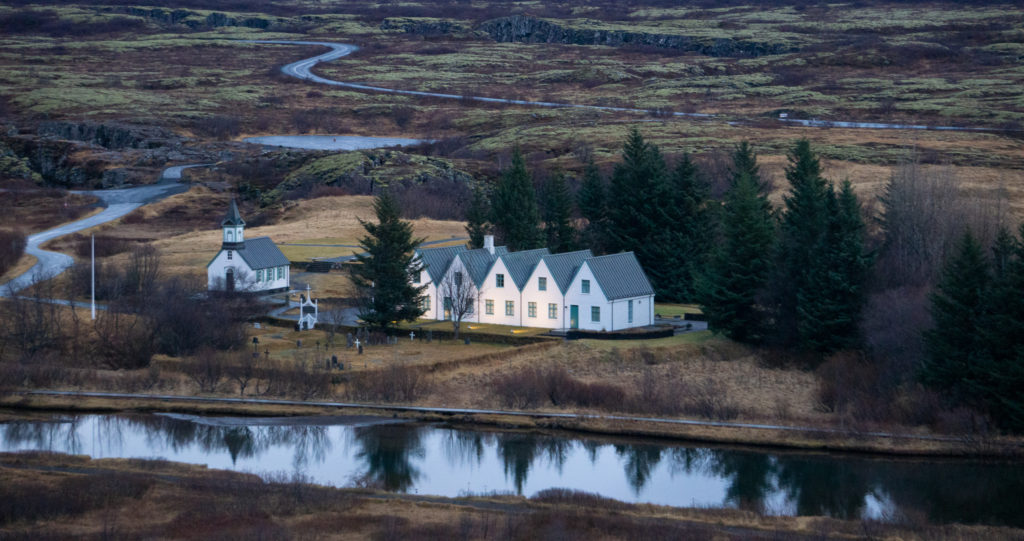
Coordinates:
42	494
747	434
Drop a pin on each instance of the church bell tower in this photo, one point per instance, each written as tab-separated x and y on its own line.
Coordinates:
234	229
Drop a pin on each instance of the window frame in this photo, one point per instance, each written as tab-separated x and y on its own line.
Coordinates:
510	308
552	310
585	287
531	309
499	280
542	283
489	307
595	314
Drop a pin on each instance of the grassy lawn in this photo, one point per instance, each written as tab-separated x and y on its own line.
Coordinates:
672	310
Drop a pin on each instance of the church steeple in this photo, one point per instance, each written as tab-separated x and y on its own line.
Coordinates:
234	228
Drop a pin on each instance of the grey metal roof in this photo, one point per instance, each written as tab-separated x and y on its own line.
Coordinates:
478	262
563	267
520	265
620	276
233	217
436	260
262	253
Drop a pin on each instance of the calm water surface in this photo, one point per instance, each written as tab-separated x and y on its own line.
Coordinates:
430	459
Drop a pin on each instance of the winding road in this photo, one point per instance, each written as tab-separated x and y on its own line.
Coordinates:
117	202
302	70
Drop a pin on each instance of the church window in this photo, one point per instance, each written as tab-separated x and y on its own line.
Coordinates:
229	255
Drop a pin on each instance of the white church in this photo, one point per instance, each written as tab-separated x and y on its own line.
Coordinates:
534	288
248	265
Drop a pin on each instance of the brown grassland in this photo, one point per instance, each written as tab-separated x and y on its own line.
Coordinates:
55	496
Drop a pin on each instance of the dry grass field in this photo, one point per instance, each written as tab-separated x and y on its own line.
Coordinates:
72	497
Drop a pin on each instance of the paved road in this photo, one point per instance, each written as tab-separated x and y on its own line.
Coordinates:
117	203
301	70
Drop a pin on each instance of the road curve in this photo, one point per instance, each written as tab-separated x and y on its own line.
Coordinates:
301	70
117	203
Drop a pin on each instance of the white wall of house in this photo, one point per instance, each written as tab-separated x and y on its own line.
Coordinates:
552	295
245	278
501	295
574	295
642	312
432	311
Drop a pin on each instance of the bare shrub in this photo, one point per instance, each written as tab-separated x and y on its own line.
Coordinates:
533	387
12	246
394	383
206	371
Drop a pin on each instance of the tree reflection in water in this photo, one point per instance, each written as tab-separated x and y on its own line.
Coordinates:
388	451
388	456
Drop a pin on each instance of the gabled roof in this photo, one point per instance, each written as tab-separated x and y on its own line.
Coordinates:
233	217
262	253
436	260
563	267
520	265
479	262
620	276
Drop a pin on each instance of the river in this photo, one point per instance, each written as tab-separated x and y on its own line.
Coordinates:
441	460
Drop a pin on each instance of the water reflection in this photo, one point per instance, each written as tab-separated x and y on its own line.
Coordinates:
407	457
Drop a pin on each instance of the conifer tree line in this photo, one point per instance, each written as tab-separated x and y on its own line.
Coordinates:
798	277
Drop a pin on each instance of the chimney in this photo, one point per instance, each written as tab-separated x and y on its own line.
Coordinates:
489	243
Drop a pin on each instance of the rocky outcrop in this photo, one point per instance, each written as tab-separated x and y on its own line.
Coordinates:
519	28
196	21
421	27
111	135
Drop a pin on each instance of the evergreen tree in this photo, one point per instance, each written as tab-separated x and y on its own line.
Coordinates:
732	284
691	227
384	271
744	162
998	374
830	304
557	205
476	218
639	201
957	306
805	221
592	203
514	207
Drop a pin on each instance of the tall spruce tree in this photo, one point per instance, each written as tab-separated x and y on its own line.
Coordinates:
556	200
732	285
830	305
805	221
514	207
998	373
692	228
957	307
476	218
639	201
385	268
591	200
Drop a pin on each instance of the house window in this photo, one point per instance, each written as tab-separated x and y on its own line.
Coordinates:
416	278
531	309
229	255
510	308
552	311
259	275
629	312
499	280
425	304
458	279
489	307
585	286
595	314
542	283
280	273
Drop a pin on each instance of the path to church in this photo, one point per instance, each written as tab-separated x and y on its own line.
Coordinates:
117	203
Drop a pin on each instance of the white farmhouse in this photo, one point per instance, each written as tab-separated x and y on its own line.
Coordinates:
534	288
249	265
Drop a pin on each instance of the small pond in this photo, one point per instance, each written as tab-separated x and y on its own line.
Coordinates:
331	142
437	459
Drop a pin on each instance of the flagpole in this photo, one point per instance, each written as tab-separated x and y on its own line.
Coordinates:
93	276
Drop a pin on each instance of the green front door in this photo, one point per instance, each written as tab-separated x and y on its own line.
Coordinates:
574	317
